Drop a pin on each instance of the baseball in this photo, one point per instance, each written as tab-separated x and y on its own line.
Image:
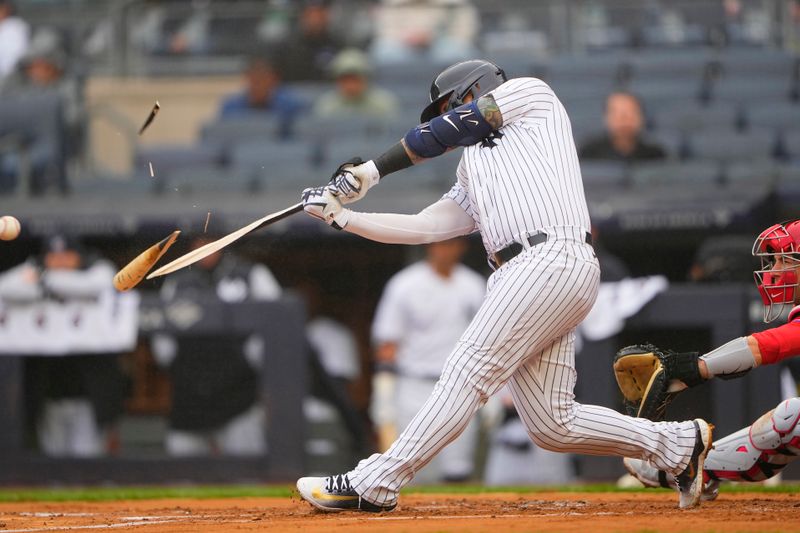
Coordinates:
9	228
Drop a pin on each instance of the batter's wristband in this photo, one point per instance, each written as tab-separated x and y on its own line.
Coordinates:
394	159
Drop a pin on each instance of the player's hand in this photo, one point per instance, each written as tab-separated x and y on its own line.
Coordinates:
353	179
321	203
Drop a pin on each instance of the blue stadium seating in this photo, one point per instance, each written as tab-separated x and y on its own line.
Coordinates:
732	145
692	117
168	159
666	172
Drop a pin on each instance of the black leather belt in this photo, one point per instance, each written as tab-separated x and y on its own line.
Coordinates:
511	251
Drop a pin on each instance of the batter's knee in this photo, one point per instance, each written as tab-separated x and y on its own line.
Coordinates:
551	429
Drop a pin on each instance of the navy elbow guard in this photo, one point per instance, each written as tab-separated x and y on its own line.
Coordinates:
463	126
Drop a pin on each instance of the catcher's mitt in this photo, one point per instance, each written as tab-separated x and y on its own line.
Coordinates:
644	372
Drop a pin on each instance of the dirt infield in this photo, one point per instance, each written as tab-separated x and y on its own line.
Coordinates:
570	512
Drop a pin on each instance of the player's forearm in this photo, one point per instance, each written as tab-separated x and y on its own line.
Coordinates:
731	359
466	125
441	221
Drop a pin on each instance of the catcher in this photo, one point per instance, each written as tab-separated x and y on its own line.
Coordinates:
649	377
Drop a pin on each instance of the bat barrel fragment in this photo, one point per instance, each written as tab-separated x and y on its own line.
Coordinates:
132	273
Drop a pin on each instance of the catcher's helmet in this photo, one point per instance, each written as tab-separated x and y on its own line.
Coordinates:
778	247
476	77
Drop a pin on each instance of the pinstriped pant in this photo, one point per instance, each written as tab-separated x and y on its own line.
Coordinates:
523	334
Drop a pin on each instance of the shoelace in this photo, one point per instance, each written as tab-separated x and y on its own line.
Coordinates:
338	483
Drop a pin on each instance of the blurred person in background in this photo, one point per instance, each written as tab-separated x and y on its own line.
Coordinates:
44	69
719	260
215	399
439	30
76	397
623	139
308	50
354	96
14	36
264	92
423	311
335	367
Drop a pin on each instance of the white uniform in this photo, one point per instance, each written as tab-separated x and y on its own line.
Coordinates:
524	332
424	314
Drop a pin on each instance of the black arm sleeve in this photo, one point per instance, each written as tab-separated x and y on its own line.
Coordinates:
394	159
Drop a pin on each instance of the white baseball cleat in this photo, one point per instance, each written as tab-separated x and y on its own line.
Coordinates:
651	477
334	493
690	481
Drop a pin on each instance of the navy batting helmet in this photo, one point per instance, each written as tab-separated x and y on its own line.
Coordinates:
476	77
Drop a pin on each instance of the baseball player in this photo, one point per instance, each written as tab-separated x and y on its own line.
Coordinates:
519	184
763	449
423	311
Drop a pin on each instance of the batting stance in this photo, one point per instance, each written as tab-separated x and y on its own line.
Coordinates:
763	449
518	184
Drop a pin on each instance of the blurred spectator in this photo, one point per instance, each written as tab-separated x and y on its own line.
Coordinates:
52	118
309	49
264	92
14	35
721	259
354	96
424	310
443	31
76	397
215	402
45	68
623	140
335	368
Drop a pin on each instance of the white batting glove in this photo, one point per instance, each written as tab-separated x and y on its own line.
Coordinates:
353	179
320	202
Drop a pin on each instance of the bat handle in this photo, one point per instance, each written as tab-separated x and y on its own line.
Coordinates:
289	211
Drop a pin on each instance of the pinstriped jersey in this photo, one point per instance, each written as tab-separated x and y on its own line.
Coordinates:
525	176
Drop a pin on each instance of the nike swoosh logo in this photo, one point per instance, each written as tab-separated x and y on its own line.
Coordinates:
318	495
447	119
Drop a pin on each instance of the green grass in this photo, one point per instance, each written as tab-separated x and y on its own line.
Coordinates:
98	494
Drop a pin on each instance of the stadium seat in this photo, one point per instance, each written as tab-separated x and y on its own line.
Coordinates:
790	144
688	64
730	145
167	159
756	171
270	156
743	62
603	68
213	179
229	132
753	90
771	114
604	173
322	129
660	37
654	92
692	117
666	172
